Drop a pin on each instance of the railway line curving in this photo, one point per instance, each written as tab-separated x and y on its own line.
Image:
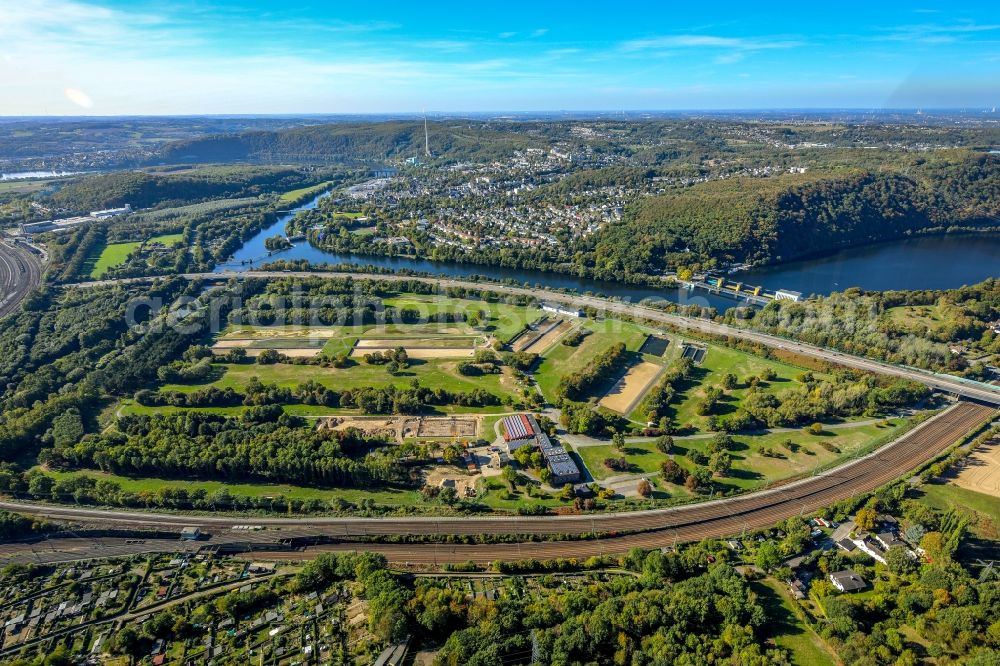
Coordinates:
20	272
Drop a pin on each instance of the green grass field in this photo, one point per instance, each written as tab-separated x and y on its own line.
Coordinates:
431	373
751	469
167	239
295	195
788	631
112	255
562	360
151	485
944	496
115	254
719	361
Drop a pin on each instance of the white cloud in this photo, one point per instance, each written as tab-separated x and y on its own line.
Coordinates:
938	33
79	98
707	42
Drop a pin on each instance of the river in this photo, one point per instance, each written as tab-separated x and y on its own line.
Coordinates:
29	175
939	262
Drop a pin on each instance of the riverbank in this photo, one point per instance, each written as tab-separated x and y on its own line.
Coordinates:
925	262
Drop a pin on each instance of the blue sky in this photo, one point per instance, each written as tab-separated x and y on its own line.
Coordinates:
140	57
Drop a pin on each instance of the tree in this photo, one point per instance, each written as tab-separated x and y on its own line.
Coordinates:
664	443
509	475
67	428
899	561
451	455
729	381
618	440
767	556
816	429
671	472
720	463
933	544
268	357
448	495
644	488
865	519
130	642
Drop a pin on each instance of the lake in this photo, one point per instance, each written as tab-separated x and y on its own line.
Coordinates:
939	262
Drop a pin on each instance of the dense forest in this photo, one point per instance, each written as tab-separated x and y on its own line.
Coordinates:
352	143
143	189
774	219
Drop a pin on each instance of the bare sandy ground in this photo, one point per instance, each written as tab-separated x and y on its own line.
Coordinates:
549	339
413	343
296	352
359	352
981	471
631	387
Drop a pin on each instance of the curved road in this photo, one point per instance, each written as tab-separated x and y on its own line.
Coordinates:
647	529
956	385
20	272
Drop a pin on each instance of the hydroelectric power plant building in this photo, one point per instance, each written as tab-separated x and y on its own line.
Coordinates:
523	430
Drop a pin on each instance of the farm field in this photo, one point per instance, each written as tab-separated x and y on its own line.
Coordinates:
980	472
944	496
751	468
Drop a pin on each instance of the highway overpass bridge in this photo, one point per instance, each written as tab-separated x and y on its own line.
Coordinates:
957	386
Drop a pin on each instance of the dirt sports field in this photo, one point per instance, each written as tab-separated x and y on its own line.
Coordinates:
542	336
628	390
981	471
547	339
446	352
399	428
298	347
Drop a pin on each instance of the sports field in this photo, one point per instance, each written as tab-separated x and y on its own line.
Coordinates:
629	390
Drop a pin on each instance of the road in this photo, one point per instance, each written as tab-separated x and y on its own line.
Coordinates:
20	272
950	384
622	531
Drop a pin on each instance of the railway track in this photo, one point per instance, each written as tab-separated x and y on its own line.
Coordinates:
20	272
623	531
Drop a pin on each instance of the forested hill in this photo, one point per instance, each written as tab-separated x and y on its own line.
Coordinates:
353	142
143	189
774	219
